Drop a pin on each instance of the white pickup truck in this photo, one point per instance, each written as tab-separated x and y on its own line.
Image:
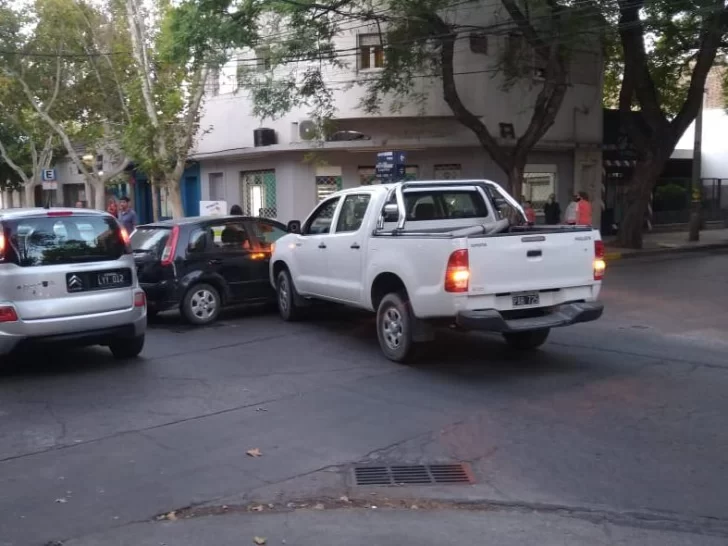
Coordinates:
428	253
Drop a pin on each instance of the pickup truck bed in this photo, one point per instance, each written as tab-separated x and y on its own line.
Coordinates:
428	253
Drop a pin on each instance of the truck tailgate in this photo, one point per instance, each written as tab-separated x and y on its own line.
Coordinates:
525	262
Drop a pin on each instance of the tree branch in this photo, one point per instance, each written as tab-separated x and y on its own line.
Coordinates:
446	38
56	87
632	35
6	157
710	41
524	26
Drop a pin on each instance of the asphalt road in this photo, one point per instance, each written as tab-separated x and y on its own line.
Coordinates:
614	433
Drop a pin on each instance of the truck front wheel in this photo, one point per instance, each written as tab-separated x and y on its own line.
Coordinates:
394	328
527	341
287	297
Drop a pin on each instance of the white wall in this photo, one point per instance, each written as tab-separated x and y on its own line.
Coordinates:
714	145
227	122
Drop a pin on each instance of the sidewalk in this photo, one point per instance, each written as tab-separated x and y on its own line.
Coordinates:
655	244
387	527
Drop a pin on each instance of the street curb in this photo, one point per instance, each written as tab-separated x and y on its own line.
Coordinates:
615	256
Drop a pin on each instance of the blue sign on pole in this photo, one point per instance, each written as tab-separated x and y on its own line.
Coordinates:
391	166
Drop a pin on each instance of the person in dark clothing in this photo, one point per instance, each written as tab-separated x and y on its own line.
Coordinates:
552	211
236	210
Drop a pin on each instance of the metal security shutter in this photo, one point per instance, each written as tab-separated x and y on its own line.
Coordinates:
258	189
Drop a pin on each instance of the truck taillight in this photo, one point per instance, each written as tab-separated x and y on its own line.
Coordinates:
457	275
599	263
171	247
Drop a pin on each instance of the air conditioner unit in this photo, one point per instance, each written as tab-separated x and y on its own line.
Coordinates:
307	130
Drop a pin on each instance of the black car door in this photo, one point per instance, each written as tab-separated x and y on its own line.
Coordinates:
265	234
231	255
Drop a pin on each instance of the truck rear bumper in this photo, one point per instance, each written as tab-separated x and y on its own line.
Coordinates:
491	320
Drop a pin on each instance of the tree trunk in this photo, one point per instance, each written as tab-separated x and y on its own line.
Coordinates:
99	190
155	199
515	182
643	181
29	195
175	200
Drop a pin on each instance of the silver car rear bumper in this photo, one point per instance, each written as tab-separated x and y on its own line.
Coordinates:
81	330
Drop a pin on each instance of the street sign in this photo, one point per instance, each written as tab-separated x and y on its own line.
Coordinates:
48	176
391	166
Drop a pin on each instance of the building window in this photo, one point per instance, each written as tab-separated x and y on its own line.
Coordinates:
447	172
240	73
411	172
326	185
537	186
100	163
217	187
371	52
258	189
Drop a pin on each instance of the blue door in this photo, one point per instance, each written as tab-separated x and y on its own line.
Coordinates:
191	196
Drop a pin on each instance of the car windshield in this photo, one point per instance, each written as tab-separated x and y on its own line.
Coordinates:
64	240
149	240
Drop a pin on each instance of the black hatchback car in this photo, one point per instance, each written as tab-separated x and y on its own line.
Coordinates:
200	265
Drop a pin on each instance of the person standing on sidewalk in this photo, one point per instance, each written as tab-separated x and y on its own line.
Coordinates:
552	211
127	216
572	211
584	210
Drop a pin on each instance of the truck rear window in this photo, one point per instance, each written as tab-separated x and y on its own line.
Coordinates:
149	240
38	241
444	205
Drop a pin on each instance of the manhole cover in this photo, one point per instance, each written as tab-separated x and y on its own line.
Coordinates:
434	474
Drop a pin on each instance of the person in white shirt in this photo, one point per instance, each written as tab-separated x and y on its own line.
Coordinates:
572	211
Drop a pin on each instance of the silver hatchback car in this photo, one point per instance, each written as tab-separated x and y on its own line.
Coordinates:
68	276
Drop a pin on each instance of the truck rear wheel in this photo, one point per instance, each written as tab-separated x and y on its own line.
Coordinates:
527	341
394	328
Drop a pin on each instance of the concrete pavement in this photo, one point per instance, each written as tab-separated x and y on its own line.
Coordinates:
613	434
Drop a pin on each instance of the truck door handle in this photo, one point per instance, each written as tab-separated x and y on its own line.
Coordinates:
322	245
215	261
355	246
533	253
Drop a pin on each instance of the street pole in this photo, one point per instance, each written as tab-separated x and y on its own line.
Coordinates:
696	182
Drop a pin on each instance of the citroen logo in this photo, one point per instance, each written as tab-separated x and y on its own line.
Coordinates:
75	282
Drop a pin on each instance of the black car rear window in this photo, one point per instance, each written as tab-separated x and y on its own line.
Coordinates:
149	240
57	240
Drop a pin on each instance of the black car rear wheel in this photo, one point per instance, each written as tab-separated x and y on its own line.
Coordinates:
201	304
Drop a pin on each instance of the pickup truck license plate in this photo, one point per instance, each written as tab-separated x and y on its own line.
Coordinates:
521	300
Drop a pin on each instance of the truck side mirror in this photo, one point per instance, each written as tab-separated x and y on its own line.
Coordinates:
294	226
390	212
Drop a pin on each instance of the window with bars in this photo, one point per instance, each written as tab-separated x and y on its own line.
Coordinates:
326	185
371	52
447	172
537	186
367	176
258	189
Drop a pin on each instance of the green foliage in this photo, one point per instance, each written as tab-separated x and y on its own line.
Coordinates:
673	28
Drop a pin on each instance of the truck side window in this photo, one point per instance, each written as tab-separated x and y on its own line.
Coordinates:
320	222
352	213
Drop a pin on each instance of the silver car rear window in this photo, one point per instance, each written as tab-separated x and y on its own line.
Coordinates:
38	241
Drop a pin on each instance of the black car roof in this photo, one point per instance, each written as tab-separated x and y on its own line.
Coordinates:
191	220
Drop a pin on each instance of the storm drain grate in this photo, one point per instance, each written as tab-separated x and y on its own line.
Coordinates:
434	474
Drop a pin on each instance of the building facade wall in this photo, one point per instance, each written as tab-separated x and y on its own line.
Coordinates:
296	172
